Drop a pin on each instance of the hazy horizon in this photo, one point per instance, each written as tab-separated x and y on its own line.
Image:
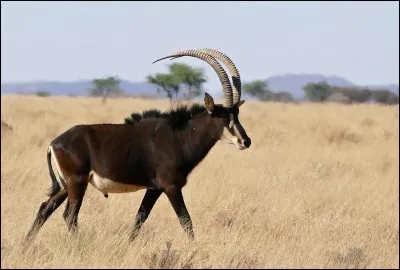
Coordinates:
72	41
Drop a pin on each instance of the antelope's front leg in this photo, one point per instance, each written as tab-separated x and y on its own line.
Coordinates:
175	197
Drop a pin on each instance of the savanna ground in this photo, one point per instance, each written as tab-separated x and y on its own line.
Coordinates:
318	188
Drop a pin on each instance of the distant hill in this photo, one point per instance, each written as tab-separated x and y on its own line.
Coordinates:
292	83
78	88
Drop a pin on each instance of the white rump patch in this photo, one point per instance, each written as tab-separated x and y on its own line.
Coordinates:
106	185
59	176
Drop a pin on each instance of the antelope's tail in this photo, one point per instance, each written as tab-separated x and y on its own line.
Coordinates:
55	186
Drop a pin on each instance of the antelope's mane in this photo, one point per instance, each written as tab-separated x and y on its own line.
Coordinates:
177	117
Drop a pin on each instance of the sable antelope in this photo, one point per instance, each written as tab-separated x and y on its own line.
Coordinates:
153	151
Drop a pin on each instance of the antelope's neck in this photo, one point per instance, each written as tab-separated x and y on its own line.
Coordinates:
198	138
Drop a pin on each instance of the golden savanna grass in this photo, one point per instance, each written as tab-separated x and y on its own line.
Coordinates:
318	188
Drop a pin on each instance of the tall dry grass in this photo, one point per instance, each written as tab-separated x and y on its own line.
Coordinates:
319	187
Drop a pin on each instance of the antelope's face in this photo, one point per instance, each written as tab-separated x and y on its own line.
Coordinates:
233	131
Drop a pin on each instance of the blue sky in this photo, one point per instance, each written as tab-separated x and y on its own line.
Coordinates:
82	40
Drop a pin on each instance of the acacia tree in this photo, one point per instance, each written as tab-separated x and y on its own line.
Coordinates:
181	78
166	82
385	97
193	78
317	91
105	87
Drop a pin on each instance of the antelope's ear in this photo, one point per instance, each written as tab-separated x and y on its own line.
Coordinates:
240	103
209	102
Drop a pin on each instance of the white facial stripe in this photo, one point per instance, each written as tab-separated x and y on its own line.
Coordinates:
232	139
59	176
106	185
237	132
231	120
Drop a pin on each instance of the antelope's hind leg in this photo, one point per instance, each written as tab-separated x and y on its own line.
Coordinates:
76	191
45	210
149	199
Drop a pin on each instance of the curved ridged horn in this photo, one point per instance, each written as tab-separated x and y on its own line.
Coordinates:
236	82
223	77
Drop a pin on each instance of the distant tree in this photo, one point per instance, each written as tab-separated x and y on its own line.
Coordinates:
179	76
282	96
354	94
42	93
385	97
258	89
317	91
338	97
167	83
106	87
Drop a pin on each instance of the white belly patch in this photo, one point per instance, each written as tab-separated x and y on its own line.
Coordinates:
106	185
